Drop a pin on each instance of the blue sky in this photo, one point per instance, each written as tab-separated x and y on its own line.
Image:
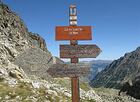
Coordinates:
116	22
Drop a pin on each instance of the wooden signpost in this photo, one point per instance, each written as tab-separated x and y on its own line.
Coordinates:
68	70
73	33
79	51
74	51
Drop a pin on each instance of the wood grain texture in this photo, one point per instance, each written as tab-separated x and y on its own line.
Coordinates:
73	33
68	70
79	51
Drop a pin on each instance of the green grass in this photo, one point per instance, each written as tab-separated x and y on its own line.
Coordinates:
1	79
21	90
84	86
106	91
88	100
25	90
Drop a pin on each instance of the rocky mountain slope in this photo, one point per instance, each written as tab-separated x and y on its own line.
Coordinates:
119	71
111	95
123	74
15	39
24	59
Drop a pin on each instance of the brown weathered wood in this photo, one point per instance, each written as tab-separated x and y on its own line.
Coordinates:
75	80
68	70
75	89
73	33
79	51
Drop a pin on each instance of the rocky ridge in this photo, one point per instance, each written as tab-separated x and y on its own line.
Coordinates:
125	69
123	74
21	79
23	60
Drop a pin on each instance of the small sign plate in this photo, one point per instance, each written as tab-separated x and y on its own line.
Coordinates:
68	70
79	51
73	33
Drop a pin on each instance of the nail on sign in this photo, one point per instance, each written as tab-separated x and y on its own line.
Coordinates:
68	70
79	51
73	33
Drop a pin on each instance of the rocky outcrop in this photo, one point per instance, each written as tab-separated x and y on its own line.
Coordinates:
37	41
35	61
132	90
15	40
111	95
57	60
24	60
124	70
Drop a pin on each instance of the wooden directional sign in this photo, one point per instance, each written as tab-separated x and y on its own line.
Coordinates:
68	70
79	51
73	33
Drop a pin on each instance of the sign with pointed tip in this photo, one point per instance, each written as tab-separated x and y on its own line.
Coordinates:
68	70
79	51
73	33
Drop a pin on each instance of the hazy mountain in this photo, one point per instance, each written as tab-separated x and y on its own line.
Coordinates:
24	59
96	67
125	69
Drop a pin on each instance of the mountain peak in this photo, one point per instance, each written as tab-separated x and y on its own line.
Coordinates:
138	49
124	69
4	6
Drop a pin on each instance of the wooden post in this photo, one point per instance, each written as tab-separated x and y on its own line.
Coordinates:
75	89
74	80
74	51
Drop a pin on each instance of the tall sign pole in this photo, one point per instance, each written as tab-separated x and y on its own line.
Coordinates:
74	80
74	51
